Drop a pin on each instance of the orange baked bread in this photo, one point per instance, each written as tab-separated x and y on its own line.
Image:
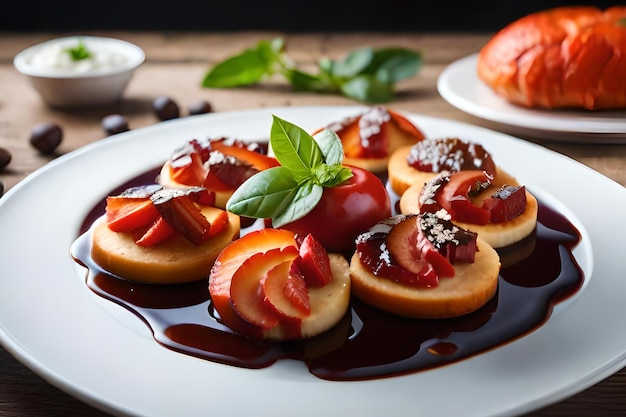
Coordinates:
371	137
567	57
423	266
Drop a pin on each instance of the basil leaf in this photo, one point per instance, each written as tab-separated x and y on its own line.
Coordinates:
394	64
330	145
265	194
307	197
331	175
354	63
246	68
294	148
302	81
368	89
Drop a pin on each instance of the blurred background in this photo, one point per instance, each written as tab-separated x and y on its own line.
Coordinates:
287	15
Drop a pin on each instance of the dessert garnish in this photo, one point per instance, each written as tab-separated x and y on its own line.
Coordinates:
370	137
154	213
219	164
453	192
416	249
450	154
267	285
311	187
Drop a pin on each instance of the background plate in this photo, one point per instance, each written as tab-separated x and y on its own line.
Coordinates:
460	86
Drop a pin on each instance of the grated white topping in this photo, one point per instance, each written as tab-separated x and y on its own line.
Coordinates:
371	123
429	192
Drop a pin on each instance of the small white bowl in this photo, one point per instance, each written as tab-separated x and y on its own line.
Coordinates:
65	83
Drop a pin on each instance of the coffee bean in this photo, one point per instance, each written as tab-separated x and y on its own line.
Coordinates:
165	108
5	158
114	123
200	107
45	137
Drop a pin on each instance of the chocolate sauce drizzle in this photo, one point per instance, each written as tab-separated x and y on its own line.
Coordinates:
537	273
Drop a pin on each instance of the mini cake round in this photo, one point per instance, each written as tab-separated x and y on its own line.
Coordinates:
268	285
418	163
371	137
497	234
175	261
161	236
472	285
219	164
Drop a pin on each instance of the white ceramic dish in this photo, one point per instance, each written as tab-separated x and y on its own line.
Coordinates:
105	356
97	81
460	86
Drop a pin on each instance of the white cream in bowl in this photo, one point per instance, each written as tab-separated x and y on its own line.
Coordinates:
97	79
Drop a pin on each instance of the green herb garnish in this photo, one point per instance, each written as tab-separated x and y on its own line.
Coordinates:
365	74
290	191
79	52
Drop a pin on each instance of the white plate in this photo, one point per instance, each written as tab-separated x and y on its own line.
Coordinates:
460	86
105	356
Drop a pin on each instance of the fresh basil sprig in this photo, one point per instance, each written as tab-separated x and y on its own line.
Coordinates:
291	190
79	52
365	74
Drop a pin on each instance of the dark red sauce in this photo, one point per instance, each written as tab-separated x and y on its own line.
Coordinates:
367	343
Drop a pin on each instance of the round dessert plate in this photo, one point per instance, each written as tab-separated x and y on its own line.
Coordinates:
105	356
460	86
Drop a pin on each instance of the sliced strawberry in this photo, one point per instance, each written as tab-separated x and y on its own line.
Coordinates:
242	152
230	170
182	214
188	169
157	233
125	215
350	138
374	133
452	243
506	203
406	125
314	263
218	219
285	291
132	209
402	245
431	254
212	182
229	261
455	196
245	288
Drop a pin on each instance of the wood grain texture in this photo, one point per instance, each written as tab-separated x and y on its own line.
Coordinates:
175	65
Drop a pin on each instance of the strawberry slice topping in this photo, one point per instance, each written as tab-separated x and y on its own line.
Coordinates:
156	233
131	209
506	203
416	250
153	213
178	209
314	263
283	287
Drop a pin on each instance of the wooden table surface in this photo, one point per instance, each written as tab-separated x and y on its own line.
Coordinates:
175	65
